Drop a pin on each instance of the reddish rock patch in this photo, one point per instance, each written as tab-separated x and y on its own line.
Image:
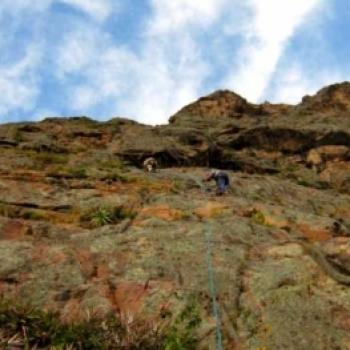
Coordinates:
72	311
86	261
14	230
314	234
130	296
102	271
342	318
58	257
40	252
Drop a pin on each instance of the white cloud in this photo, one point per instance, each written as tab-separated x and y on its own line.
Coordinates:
169	70
110	73
19	77
160	88
97	9
19	83
171	63
294	82
83	98
16	6
150	85
171	16
100	10
273	23
146	87
43	113
77	50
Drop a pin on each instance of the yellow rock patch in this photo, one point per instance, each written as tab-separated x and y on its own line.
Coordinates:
162	212
210	210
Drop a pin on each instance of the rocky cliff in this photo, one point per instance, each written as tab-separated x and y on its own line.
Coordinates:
84	231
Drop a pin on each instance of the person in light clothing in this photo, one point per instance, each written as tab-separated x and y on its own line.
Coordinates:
150	165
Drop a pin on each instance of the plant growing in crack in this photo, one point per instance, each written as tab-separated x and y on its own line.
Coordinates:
101	217
106	214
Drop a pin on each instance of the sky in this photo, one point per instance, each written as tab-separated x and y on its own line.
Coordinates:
146	59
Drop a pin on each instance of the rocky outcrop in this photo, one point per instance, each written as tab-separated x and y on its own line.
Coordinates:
84	231
220	104
320	155
331	99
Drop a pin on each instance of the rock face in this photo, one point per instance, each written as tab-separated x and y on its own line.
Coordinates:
220	104
83	228
331	99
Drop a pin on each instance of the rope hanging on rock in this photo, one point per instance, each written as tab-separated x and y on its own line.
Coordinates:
212	290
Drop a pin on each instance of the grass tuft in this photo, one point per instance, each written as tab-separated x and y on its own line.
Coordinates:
25	327
34	215
106	214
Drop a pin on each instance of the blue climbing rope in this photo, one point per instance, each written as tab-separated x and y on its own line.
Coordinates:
212	289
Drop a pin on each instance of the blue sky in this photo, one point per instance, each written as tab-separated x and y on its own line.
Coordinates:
145	59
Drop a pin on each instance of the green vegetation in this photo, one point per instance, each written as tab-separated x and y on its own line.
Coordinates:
30	328
345	186
77	173
35	328
112	169
83	121
105	214
50	158
7	211
40	160
114	129
304	183
101	217
4	210
112	163
320	185
14	212
182	334
18	136
69	172
291	168
116	175
177	186
96	166
258	217
34	215
121	213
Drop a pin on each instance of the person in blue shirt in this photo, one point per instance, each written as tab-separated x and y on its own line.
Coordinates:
222	181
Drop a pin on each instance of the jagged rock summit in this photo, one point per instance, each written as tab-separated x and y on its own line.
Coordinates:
331	99
85	231
222	103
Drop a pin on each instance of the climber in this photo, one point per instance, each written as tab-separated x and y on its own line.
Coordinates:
222	180
150	165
